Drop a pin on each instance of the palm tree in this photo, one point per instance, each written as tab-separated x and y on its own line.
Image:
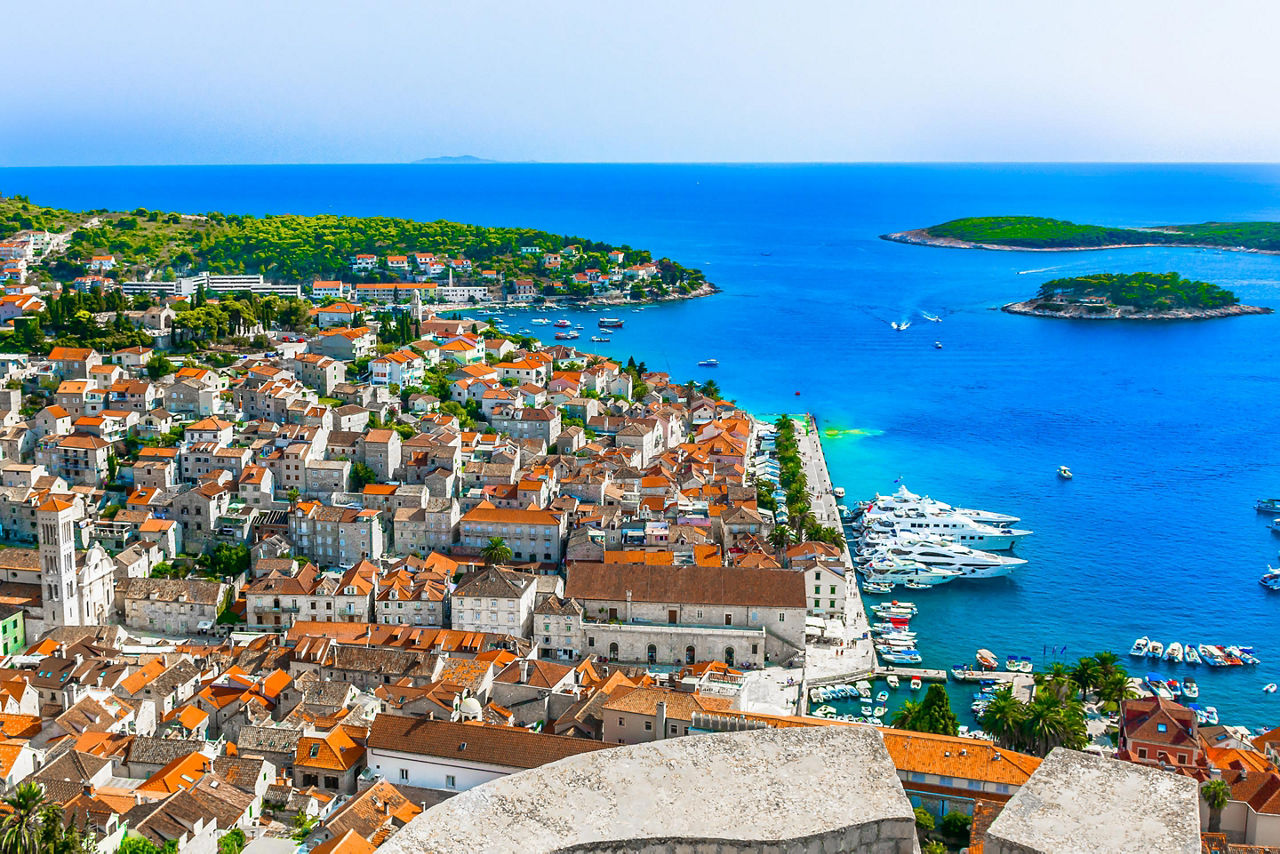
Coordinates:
1115	689
496	551
830	536
711	389
1085	674
20	832
1108	663
1003	717
1056	679
801	519
1216	793
1040	722
902	717
780	538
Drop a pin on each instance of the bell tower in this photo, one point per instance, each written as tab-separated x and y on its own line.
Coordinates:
55	526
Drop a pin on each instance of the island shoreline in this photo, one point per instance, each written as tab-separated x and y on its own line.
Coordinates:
1028	308
921	237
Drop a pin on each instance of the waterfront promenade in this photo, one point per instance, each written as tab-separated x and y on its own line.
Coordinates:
768	691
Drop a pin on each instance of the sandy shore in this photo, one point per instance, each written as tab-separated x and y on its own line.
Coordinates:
921	237
1079	312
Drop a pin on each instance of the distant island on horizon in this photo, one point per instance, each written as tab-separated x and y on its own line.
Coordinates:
1132	296
451	159
1040	234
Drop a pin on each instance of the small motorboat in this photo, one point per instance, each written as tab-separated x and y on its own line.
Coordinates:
1139	648
562	324
863	687
876	587
709	363
916	683
915	585
1189	654
1267	505
1011	664
1065	473
600	339
882	697
933	318
1155	649
879	712
1190	689
1025	665
1174	652
1175	688
1270	688
892	681
937	345
866	710
1210	715
987	659
824	711
1155	683
1270	579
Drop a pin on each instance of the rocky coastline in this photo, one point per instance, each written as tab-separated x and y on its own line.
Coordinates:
922	237
1032	308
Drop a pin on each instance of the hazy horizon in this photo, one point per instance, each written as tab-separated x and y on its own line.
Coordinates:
131	83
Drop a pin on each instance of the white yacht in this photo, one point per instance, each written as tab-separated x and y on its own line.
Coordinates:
904	498
889	570
954	526
936	553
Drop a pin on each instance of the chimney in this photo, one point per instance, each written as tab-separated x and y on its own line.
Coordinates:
628	606
661	723
88	789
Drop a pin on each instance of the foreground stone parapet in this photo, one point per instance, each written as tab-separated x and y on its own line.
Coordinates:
818	790
1077	803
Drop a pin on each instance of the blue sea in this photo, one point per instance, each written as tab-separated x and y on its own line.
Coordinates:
1171	429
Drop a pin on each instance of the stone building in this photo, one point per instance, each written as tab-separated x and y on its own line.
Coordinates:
173	606
684	614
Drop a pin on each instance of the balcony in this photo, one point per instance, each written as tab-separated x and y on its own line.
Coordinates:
269	609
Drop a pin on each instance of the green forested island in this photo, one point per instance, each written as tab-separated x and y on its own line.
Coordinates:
1141	296
1032	232
300	248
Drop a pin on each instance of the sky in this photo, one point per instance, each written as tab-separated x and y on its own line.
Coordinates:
336	81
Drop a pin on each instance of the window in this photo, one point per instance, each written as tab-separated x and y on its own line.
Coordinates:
782	618
1162	728
404	773
450	781
1182	759
1142	753
315	751
944	781
728	619
648	726
622	722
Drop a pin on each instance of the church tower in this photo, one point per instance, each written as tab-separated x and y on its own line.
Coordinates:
55	523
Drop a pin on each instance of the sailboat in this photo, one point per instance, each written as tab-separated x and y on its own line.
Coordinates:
930	317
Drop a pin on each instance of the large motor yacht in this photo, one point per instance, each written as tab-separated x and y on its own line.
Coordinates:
888	570
954	526
904	498
936	553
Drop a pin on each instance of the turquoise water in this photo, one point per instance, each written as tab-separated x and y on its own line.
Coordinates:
1170	429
